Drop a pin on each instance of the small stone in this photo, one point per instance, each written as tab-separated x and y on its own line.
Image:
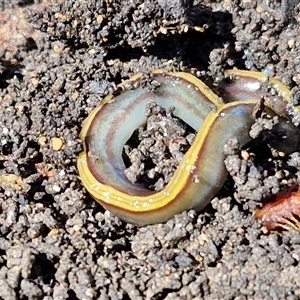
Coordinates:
56	143
291	43
42	140
56	188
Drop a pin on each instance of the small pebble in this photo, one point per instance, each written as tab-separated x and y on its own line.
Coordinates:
56	143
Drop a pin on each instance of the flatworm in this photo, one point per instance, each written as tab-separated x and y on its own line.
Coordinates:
201	173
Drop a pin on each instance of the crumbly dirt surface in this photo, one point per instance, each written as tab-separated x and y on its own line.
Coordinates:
56	64
154	151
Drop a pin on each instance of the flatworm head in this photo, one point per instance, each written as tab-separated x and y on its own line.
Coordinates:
200	174
244	84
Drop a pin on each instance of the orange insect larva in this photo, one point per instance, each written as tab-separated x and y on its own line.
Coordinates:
283	213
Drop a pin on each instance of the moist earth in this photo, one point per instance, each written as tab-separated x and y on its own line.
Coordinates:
58	60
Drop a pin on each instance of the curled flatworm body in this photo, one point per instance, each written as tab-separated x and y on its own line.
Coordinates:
109	126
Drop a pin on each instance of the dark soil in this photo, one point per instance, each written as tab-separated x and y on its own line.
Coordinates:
55	66
154	151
